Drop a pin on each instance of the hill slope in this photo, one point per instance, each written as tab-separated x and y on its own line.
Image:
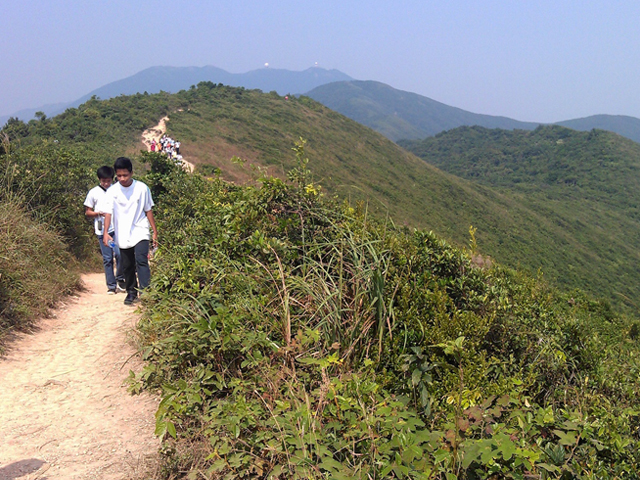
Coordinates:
621	124
583	185
398	114
216	123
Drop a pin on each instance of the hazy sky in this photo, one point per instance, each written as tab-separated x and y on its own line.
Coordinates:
537	60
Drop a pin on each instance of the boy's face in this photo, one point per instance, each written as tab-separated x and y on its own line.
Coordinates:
124	176
106	182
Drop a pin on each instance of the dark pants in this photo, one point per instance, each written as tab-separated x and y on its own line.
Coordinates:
108	256
136	260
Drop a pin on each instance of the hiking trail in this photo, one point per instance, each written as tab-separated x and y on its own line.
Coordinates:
156	133
64	411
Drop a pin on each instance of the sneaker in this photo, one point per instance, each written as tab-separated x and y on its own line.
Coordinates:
120	289
112	291
130	299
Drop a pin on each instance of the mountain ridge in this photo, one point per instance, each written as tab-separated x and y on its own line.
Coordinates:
174	79
374	103
402	115
383	116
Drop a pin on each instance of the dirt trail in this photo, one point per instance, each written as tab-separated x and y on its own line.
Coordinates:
64	412
156	133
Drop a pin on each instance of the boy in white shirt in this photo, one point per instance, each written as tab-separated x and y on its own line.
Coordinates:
129	207
94	208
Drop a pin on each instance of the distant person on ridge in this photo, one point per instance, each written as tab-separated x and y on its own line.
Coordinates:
95	208
129	206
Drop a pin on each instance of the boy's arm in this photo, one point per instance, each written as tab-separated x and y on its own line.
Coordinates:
152	222
88	211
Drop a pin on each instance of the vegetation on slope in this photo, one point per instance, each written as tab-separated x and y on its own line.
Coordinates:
584	187
43	233
294	336
216	123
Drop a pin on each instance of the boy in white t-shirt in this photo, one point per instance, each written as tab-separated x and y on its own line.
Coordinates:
94	208
128	207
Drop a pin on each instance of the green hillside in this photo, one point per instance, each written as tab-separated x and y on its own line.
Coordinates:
216	123
583	186
293	335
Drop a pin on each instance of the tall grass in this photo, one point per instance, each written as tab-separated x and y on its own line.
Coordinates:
36	267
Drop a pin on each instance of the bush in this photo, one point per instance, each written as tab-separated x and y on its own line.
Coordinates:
298	338
52	182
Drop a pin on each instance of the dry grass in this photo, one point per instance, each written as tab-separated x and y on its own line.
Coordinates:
35	268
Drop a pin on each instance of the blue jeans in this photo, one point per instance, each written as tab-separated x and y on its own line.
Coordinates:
136	260
108	256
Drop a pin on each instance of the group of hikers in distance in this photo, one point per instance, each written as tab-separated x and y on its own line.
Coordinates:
167	145
123	223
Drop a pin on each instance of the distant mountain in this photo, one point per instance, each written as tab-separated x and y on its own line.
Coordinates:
174	79
404	115
621	124
401	115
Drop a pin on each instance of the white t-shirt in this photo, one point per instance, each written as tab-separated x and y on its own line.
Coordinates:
96	200
128	207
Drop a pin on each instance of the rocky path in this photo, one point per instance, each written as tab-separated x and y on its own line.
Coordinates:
156	133
64	412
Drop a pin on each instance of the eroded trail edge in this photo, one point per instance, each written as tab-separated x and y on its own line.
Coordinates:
64	411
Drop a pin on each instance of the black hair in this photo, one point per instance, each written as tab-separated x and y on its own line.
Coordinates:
105	172
123	163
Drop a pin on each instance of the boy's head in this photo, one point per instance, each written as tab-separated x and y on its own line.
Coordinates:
123	163
123	168
105	176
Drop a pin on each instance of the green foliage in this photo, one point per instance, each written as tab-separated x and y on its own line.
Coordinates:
580	236
52	182
578	190
293	336
43	232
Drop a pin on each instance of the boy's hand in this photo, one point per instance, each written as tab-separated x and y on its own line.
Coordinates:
106	239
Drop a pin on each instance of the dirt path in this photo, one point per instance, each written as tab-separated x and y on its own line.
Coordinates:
156	133
64	412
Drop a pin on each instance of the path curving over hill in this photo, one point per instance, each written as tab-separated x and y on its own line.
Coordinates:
156	133
64	412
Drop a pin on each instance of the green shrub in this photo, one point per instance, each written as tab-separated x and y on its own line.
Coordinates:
52	183
296	337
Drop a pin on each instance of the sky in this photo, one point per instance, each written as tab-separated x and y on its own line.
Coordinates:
541	61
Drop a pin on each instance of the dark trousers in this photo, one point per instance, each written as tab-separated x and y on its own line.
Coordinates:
110	254
136	260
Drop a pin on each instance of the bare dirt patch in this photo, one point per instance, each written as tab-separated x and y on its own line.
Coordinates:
64	411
